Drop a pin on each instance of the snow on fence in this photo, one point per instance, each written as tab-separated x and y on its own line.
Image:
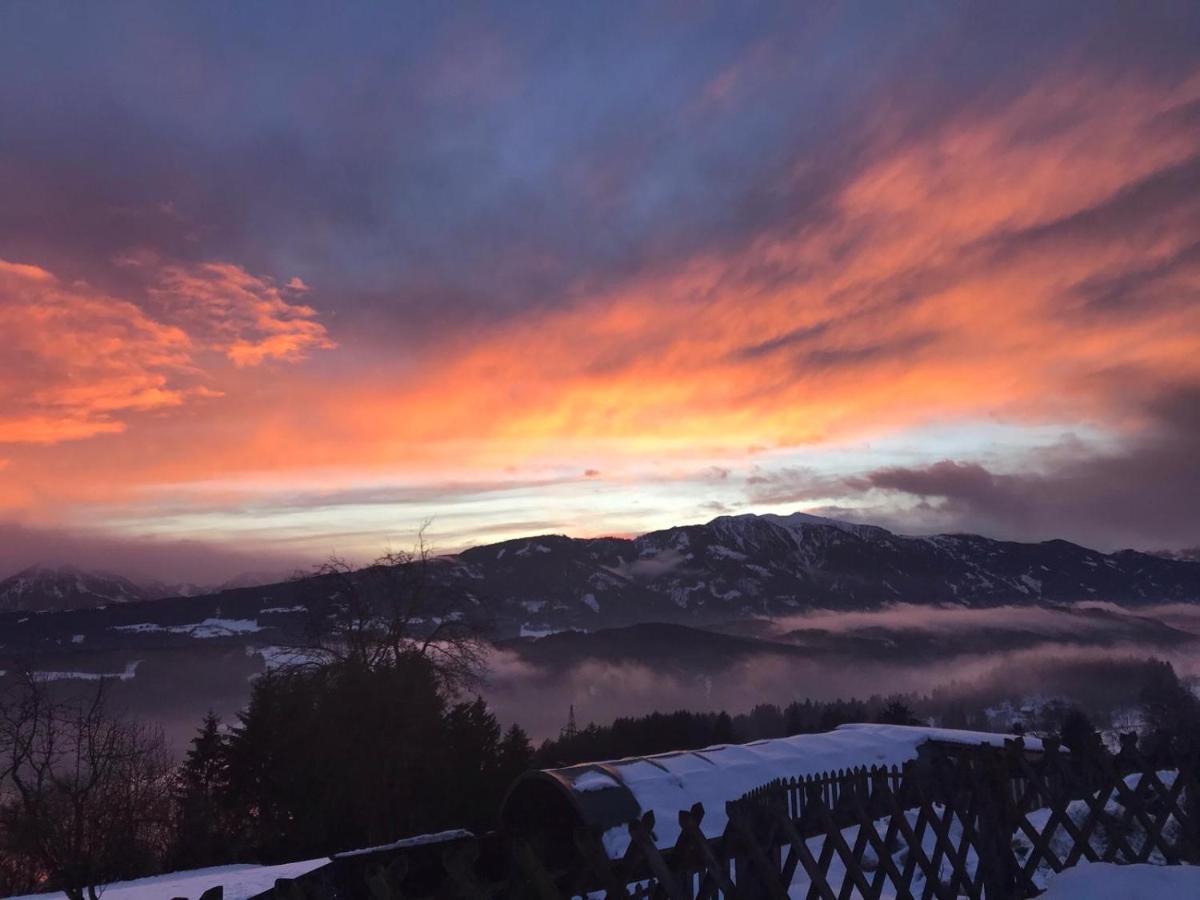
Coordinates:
961	821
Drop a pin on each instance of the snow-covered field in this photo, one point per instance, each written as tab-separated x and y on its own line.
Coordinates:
1106	881
240	882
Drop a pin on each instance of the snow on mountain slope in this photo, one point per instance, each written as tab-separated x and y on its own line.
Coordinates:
45	588
736	566
730	568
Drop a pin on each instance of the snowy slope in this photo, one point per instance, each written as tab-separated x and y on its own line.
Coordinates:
1108	881
735	566
46	588
239	881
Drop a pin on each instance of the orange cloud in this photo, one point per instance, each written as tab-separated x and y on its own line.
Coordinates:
247	318
947	283
78	362
955	275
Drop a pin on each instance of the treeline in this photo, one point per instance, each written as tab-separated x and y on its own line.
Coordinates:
338	758
1159	705
686	730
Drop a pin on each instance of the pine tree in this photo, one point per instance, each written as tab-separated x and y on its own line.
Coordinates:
200	833
897	712
723	729
516	754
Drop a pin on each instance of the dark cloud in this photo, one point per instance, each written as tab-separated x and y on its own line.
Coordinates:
138	558
1145	494
414	166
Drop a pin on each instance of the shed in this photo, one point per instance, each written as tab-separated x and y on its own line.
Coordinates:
552	803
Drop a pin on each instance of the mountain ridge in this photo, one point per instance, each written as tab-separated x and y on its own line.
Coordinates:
734	566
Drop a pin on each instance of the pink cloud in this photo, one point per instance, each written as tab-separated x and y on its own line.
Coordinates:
79	361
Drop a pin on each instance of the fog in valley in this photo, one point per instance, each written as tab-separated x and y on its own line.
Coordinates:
987	658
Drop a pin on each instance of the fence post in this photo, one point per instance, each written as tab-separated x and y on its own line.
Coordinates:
756	872
990	783
1188	771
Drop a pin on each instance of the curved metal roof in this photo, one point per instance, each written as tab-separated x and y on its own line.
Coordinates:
607	795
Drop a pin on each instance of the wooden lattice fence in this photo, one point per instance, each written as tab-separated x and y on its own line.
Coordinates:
972	822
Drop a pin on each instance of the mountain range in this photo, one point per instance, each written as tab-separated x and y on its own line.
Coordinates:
741	566
49	588
702	605
732	567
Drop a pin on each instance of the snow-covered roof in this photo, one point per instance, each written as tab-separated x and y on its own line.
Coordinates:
420	840
609	794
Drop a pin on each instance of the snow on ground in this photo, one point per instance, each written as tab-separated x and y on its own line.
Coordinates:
275	657
532	631
670	782
240	882
1060	842
209	628
129	671
1108	881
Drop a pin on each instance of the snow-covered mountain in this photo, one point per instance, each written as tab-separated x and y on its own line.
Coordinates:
731	568
45	588
737	566
42	588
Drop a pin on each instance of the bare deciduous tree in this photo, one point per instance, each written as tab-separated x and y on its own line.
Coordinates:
383	612
83	793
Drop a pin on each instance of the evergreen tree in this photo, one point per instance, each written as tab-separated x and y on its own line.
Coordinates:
1171	712
723	729
1076	730
516	754
201	835
897	712
347	756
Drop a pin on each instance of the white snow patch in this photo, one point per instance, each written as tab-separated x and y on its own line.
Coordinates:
1109	881
437	837
530	631
220	627
125	675
594	781
239	882
591	601
209	628
275	657
720	551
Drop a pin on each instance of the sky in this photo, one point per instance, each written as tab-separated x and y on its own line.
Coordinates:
282	280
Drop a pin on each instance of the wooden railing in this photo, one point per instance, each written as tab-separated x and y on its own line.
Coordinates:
974	822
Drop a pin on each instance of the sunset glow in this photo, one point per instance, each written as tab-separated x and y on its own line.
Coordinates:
303	302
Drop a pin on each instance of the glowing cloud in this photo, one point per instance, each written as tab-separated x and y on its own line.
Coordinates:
78	361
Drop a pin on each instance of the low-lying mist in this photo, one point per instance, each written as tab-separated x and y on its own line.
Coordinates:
1077	653
988	657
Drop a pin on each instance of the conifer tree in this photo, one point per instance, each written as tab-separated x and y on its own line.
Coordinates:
201	836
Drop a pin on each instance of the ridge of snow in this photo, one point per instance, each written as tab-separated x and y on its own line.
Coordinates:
668	783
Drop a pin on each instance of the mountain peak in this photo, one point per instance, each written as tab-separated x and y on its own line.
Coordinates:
58	586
